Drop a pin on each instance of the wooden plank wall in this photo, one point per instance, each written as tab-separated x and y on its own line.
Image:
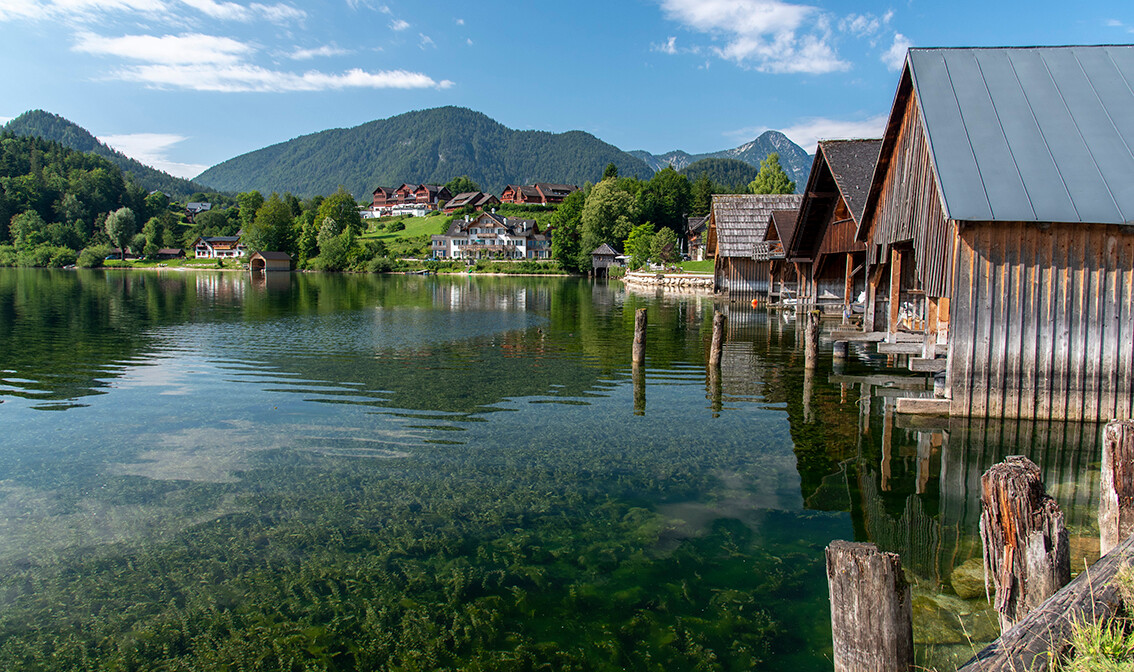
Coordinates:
741	277
1043	322
909	208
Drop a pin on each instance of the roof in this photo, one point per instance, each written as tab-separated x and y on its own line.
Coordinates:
555	189
463	199
220	239
198	206
784	222
530	192
741	220
1033	134
851	163
169	250
696	224
273	256
604	250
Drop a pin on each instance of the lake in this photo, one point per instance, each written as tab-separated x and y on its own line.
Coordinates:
212	471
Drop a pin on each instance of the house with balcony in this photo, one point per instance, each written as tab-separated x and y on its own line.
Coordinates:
492	236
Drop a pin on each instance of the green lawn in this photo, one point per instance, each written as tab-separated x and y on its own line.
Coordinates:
415	226
705	266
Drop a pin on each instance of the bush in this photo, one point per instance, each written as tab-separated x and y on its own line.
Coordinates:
7	255
93	257
381	265
396	226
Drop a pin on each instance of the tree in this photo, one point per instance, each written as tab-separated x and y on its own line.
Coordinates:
341	207
250	202
664	250
702	196
462	184
638	244
771	179
608	216
567	236
664	199
271	228
120	227
611	171
27	230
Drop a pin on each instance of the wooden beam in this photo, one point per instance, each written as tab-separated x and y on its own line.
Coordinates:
848	286
895	289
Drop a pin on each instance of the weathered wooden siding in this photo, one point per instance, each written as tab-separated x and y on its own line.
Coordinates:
741	277
1043	322
909	208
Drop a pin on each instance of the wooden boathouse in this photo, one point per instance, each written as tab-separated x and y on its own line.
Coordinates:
783	275
1000	223
824	253
737	227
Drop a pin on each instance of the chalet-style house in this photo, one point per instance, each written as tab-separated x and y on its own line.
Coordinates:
823	257
415	199
218	247
695	228
1000	223
171	253
540	193
196	208
476	199
492	236
738	224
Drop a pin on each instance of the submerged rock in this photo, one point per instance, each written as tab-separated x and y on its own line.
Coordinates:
968	579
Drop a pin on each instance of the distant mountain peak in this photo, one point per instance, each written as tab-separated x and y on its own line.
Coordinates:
795	161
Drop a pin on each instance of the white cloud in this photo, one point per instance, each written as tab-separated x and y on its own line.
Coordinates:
460	22
152	149
426	41
808	132
864	25
668	47
243	77
191	48
84	11
769	35
895	56
308	54
399	24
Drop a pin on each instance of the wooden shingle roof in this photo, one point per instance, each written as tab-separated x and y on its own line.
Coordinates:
739	221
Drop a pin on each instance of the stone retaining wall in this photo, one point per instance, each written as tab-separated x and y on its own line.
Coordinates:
670	281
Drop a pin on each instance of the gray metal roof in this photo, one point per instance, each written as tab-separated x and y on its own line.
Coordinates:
1034	134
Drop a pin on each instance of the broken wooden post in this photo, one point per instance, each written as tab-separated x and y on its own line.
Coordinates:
871	614
719	322
638	375
1116	504
811	340
639	355
1025	542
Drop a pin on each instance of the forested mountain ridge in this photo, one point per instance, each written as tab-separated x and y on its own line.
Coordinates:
430	146
795	161
55	128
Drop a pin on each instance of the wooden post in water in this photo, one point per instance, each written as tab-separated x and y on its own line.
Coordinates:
639	377
715	391
1025	542
811	340
639	355
871	615
719	322
1116	503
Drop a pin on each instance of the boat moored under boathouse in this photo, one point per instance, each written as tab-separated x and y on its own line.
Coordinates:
1000	223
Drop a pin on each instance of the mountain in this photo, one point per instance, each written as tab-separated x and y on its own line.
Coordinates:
53	127
431	146
795	161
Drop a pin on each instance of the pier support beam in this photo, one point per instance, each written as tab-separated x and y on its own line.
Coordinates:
871	609
639	352
719	322
1026	547
1116	503
811	340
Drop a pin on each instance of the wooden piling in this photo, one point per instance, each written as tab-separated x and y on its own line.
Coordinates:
839	350
716	401
871	614
811	340
1026	548
719	323
1116	503
639	354
638	374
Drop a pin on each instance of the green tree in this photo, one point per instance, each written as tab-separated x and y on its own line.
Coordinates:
27	230
120	227
610	172
664	199
638	244
341	207
271	229
702	196
462	184
608	216
771	179
249	202
567	237
664	248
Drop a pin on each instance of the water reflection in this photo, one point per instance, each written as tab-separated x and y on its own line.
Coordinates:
401	431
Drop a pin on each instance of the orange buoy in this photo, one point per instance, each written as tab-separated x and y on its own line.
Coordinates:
755	302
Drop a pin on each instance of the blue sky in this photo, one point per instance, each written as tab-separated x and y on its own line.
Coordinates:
185	84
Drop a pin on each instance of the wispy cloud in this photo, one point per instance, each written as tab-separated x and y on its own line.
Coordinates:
768	35
207	63
895	56
668	47
426	41
808	132
864	25
1115	23
86	11
152	149
323	51
399	24
460	22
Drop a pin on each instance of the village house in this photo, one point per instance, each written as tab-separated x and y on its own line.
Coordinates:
998	228
476	199
218	247
413	199
492	236
695	228
824	261
537	194
268	262
195	208
737	227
